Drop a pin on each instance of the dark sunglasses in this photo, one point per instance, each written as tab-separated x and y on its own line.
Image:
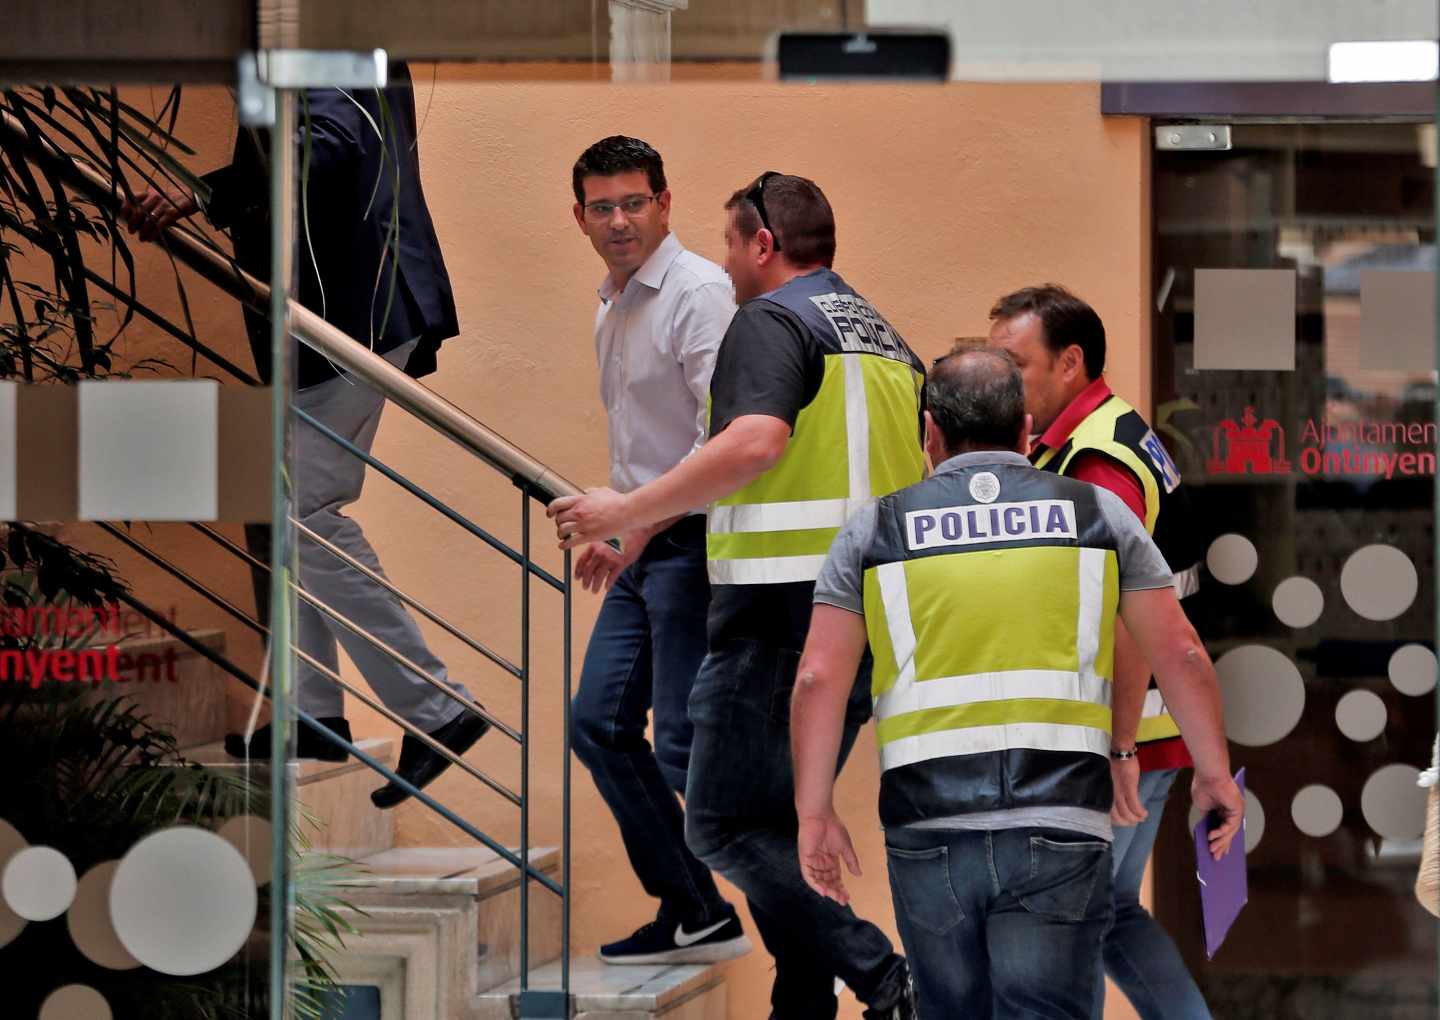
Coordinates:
756	197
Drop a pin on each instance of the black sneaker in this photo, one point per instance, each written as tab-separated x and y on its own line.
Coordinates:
666	941
308	743
903	1008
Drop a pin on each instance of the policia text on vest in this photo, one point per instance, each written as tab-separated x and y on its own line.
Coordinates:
1001	700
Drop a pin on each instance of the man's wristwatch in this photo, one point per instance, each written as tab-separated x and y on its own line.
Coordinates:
1125	755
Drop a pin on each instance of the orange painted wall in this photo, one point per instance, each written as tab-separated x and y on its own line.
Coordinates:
946	197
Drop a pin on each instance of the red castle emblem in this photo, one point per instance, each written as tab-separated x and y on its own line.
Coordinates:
1248	448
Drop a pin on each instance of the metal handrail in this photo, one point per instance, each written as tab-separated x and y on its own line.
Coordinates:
220	601
374	764
424	496
354	357
10	222
379	579
534	479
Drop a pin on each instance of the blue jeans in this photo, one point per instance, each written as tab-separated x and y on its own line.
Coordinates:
647	646
740	819
1003	924
1139	955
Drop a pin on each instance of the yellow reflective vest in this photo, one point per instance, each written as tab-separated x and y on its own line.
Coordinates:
859	438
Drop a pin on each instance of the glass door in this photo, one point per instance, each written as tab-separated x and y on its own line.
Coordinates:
1295	384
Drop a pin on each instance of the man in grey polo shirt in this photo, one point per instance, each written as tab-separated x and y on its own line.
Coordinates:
988	595
663	311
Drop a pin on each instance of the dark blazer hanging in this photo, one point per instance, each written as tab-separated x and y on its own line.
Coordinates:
346	230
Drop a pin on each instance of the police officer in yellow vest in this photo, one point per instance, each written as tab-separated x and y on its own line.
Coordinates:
1086	432
988	595
815	411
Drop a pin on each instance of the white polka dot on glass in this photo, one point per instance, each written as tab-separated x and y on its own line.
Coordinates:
1317	810
1393	805
1379	582
183	901
1298	602
39	883
1262	693
1232	559
1361	715
1412	670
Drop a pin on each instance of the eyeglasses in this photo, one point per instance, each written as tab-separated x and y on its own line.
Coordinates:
630	205
756	197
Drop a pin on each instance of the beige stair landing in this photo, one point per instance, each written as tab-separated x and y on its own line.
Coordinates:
398	877
440	930
606	992
441	924
335	794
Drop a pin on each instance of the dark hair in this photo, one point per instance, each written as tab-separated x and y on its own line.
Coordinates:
977	398
800	217
1067	320
618	154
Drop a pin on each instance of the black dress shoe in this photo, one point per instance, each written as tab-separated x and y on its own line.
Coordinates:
309	743
420	765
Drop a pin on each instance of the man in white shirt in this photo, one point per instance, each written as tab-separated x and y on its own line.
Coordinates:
663	311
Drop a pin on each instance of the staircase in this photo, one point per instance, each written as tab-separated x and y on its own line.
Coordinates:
439	926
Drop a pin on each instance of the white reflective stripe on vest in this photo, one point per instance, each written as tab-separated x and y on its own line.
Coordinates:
803	514
857	426
1088	622
1187	582
797	515
1154	705
911	695
774	570
1007	685
980	739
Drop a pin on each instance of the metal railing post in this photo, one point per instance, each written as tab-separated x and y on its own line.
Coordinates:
549	1003
282	183
524	743
565	795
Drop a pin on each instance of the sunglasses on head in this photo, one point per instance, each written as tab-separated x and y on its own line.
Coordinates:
756	197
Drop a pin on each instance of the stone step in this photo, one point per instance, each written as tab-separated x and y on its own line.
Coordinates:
436	925
411	872
181	690
335	796
606	992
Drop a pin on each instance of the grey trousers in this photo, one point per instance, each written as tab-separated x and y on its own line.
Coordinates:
326	478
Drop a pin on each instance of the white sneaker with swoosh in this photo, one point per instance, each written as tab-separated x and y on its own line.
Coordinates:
683	939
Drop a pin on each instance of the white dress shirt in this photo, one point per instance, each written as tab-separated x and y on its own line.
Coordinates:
656	341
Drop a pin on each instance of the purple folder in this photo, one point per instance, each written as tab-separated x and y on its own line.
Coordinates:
1224	890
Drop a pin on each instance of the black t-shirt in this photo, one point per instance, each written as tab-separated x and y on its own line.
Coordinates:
768	363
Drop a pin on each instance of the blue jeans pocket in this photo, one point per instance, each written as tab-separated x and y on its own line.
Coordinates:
920	881
684	538
1069	879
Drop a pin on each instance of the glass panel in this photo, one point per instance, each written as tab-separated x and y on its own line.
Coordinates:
1318	485
136	865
